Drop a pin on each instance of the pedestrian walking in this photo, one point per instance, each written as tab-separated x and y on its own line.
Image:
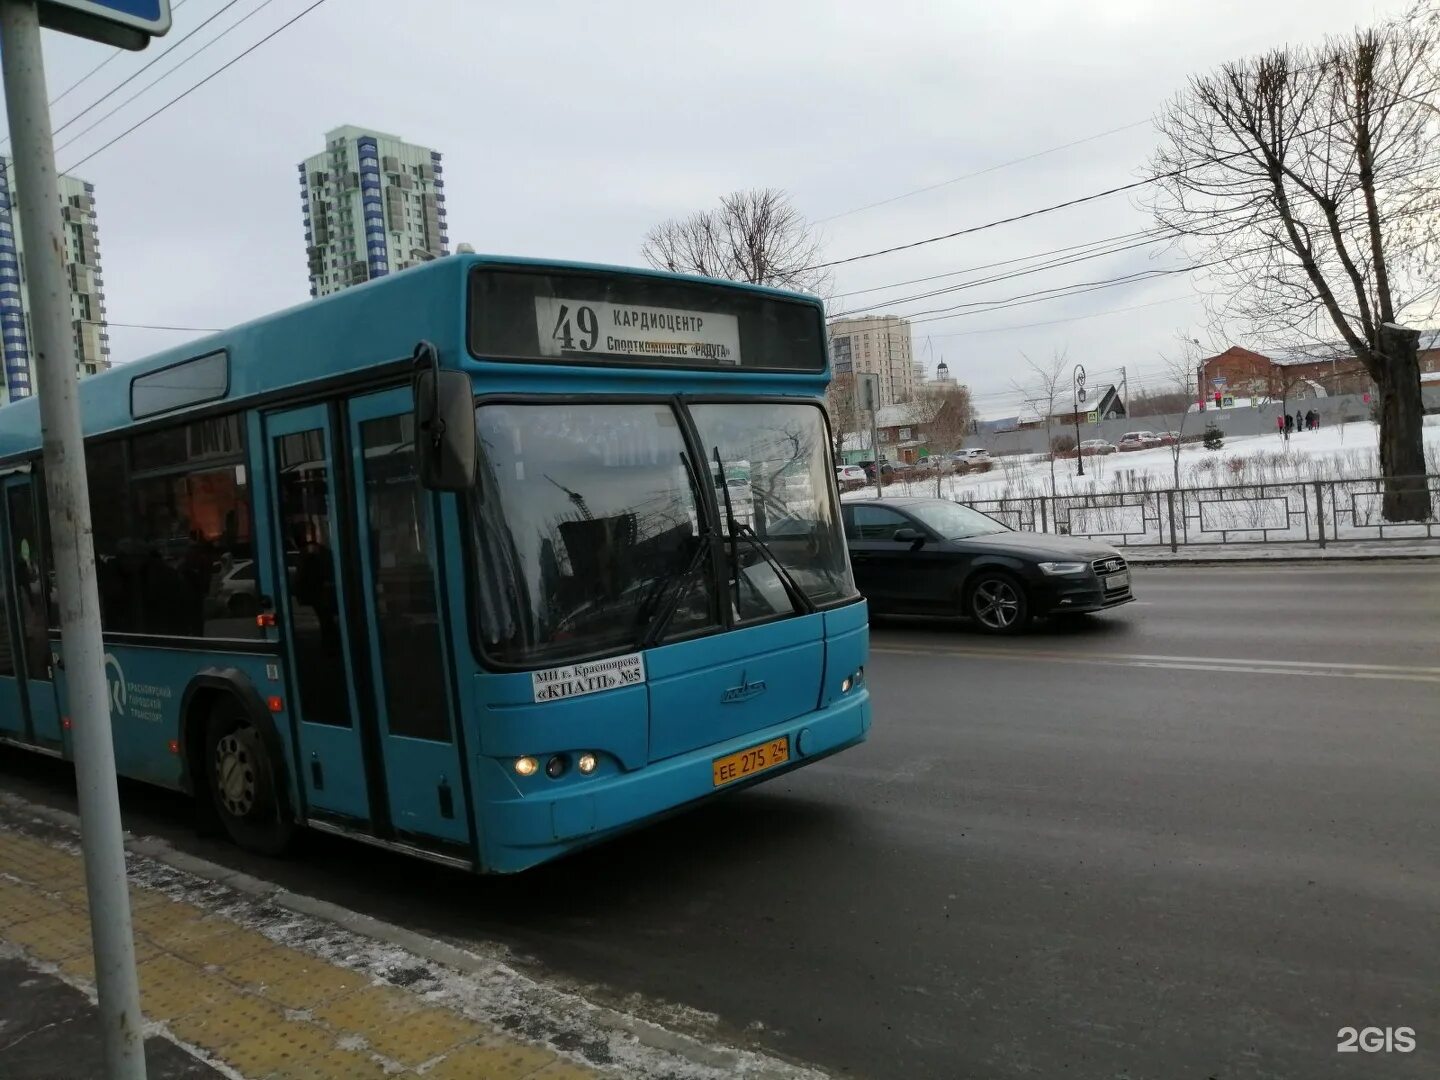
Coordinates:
1280	425
1299	421
1289	424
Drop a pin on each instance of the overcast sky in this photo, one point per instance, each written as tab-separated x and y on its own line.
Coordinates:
569	128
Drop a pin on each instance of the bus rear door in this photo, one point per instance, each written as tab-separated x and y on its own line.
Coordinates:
28	708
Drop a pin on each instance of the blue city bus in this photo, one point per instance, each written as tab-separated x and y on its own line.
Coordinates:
484	561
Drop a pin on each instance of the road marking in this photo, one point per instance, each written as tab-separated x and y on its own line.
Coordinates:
1397	672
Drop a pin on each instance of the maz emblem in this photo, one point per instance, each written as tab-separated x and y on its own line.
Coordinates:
744	692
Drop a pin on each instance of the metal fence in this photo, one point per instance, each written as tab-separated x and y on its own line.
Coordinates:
1307	511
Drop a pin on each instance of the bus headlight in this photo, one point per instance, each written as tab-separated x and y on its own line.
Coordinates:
556	766
853	680
586	763
526	766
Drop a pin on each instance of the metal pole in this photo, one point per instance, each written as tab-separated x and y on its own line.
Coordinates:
875	442
83	653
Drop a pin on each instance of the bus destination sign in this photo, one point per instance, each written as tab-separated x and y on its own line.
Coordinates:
577	328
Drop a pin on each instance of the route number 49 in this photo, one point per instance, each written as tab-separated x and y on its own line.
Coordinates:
585	321
1373	1040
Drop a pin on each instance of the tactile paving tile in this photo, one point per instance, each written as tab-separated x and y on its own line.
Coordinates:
335	1065
171	987
83	965
315	987
171	917
19	904
507	1062
281	1046
228	945
230	1020
54	937
397	1026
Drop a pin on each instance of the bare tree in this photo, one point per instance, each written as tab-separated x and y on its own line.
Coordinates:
943	415
756	236
1042	391
844	410
1297	177
1184	380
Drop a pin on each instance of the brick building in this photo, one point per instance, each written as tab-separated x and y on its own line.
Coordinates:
1296	373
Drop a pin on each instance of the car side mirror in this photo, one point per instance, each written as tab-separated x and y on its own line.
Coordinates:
913	537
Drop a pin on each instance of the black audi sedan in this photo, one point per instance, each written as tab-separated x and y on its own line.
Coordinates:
934	557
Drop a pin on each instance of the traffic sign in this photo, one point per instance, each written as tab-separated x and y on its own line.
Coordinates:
1093	416
129	24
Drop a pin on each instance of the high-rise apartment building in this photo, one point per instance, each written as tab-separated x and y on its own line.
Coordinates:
82	269
373	205
878	344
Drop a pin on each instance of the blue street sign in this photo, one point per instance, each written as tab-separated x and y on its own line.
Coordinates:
129	24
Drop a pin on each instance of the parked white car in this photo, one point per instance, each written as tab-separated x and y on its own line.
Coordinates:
1138	440
846	475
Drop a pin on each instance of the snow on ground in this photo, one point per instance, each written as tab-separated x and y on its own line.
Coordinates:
1337	452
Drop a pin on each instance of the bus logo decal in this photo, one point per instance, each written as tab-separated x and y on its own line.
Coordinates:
744	692
116	684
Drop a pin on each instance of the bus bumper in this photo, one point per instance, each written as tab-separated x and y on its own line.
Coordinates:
520	832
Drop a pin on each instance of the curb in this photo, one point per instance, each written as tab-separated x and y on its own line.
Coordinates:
1279	560
570	1015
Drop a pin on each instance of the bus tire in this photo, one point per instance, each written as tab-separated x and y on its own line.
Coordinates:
996	602
243	780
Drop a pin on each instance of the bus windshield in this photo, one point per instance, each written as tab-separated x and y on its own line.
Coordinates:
591	517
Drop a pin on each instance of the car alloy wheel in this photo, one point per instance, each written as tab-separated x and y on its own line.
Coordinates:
996	603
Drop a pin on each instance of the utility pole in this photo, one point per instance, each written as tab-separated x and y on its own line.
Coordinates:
26	101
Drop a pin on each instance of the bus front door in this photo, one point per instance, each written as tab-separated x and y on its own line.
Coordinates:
312	603
401	601
360	600
28	707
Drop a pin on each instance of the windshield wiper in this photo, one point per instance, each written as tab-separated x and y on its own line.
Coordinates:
798	597
661	604
666	603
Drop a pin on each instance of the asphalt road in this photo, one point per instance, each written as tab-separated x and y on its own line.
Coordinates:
1196	837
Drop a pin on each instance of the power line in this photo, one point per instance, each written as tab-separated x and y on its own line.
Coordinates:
181	329
165	75
115	54
145	67
1053	264
1066	204
982	172
196	86
1056	322
991	265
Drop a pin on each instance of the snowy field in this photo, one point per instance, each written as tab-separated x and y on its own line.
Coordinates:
1255	489
1341	452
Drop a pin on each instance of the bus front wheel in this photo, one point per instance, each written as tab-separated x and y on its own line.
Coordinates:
243	782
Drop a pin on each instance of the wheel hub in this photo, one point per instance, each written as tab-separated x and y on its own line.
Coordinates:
235	773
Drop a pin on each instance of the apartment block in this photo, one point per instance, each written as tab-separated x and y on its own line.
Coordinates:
82	269
878	344
373	205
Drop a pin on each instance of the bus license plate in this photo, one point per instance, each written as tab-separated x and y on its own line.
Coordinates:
767	755
1118	581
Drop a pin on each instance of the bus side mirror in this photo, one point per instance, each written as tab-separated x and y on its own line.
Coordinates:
445	429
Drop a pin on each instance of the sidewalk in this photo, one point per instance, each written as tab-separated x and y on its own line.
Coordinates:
1358	551
219	998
